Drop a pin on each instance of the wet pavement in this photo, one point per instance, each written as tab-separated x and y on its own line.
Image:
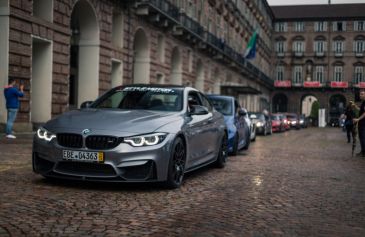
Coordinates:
298	183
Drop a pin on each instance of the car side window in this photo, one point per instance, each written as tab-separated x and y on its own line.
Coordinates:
205	102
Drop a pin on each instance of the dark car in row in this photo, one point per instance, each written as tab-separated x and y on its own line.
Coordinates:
263	123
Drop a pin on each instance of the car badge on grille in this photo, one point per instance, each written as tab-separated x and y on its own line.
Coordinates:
85	131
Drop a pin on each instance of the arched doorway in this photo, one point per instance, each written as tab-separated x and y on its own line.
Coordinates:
84	69
279	103
4	53
337	104
307	102
176	72
200	76
141	64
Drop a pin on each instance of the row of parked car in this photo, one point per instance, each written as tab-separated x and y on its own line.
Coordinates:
278	122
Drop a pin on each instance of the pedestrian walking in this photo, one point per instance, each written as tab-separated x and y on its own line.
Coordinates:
361	124
12	95
349	116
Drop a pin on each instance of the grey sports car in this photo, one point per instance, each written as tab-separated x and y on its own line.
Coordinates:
135	133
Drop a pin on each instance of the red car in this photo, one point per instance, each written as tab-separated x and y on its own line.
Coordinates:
286	121
278	124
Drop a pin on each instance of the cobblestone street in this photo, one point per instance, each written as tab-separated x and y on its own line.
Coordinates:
298	183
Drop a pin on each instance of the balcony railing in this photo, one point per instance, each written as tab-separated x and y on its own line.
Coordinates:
280	54
163	6
170	11
338	54
319	54
192	25
298	54
359	54
215	41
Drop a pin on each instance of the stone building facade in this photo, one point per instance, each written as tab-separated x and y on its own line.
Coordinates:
70	51
319	55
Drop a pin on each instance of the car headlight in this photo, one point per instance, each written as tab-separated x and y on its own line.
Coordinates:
44	134
145	140
259	124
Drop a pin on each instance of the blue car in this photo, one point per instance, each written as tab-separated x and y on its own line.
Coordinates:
234	116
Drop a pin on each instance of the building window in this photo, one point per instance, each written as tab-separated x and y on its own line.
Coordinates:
160	78
218	24
338	46
320	26
359	74
339	26
280	73
280	46
161	48
299	26
298	74
43	9
298	46
191	9
281	27
359	46
117	30
359	25
190	60
319	46
319	74
338	73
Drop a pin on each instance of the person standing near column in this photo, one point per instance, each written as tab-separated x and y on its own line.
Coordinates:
12	95
361	124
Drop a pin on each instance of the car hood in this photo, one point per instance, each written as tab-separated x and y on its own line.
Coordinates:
127	121
228	119
257	120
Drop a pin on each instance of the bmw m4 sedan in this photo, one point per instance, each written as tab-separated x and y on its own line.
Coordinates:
239	132
134	133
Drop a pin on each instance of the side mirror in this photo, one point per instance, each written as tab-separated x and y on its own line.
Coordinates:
241	112
198	110
86	104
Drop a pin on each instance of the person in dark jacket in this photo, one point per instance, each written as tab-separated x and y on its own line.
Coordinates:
350	115
12	95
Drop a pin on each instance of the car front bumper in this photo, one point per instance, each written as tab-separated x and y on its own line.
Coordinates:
124	163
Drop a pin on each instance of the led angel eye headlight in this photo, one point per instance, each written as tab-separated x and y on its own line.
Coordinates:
145	140
43	134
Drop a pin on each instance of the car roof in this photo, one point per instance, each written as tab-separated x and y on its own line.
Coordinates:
155	85
220	96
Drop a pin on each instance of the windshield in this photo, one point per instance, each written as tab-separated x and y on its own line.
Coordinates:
146	98
257	116
291	116
275	117
222	105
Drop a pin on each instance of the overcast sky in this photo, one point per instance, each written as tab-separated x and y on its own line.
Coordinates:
299	2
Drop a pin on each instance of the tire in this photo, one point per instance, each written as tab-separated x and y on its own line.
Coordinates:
176	167
222	154
235	145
